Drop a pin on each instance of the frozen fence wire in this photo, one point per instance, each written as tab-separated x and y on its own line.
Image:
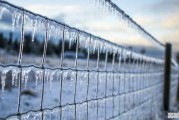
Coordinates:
110	82
113	8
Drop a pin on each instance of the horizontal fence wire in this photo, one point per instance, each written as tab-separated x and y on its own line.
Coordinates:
115	84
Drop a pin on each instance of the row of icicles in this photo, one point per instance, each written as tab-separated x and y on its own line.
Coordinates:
52	75
128	22
70	34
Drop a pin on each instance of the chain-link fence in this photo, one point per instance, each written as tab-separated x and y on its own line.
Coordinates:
72	74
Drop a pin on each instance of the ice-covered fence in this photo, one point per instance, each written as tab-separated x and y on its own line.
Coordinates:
107	82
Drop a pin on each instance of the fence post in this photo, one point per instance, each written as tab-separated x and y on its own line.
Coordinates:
167	74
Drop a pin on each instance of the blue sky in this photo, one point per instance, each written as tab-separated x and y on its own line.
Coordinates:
159	17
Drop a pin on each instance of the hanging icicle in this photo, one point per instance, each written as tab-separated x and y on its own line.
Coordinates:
3	82
1	12
34	29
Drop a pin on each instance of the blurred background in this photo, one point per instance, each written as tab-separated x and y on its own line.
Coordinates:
158	17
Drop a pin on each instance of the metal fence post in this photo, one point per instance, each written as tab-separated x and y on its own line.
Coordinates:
167	74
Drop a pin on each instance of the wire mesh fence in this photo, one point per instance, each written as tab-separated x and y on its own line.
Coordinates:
72	74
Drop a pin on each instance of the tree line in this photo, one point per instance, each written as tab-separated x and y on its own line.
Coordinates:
11	45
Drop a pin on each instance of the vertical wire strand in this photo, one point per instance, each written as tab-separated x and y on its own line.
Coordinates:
106	80
113	62
76	75
61	71
87	67
43	68
22	39
19	62
119	82
97	68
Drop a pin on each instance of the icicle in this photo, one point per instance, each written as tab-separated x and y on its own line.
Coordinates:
79	111
13	76
65	74
71	110
51	80
3	82
13	118
23	76
87	43
17	20
14	17
37	116
59	75
26	78
81	74
37	78
25	117
34	29
56	113
47	75
120	58
49	31
16	77
70	40
101	47
46	41
80	40
85	75
73	78
21	39
1	12
100	77
104	47
94	48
